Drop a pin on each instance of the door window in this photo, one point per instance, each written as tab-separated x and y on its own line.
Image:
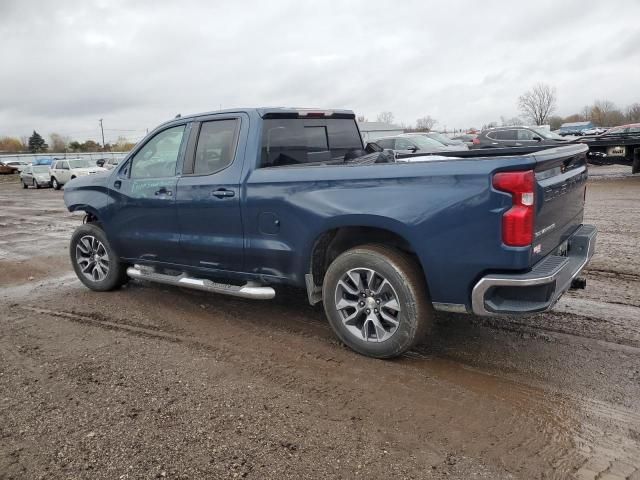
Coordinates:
403	144
385	143
216	146
505	135
525	134
158	157
63	166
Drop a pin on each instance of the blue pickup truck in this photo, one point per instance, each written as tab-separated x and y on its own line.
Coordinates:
241	201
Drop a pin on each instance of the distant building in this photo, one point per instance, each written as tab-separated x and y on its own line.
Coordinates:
371	131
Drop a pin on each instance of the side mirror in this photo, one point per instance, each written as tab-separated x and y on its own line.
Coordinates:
413	149
373	147
537	139
100	162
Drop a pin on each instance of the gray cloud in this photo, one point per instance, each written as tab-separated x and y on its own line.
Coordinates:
67	63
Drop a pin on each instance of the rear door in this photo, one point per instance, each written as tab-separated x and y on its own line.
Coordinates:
143	223
561	183
208	194
507	138
64	172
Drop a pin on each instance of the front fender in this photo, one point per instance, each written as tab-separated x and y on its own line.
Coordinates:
89	194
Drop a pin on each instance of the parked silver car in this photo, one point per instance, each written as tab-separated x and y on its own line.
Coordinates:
35	176
411	143
439	137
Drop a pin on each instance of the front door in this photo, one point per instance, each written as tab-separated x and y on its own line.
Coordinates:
142	223
208	199
404	145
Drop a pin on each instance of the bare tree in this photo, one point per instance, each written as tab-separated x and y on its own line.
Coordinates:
385	117
538	103
555	122
511	122
425	123
58	142
633	113
361	119
586	114
605	113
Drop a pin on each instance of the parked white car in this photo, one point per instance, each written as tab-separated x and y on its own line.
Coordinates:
61	171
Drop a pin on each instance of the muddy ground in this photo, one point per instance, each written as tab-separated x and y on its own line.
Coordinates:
154	382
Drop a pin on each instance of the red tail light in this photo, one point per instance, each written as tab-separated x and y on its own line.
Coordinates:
476	141
517	222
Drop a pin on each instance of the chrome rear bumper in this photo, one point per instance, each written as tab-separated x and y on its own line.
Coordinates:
539	289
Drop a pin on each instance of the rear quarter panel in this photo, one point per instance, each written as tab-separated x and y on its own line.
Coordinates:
446	210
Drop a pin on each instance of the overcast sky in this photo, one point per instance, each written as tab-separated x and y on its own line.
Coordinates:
65	64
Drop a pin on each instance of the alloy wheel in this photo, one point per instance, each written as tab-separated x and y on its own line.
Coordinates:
92	258
368	304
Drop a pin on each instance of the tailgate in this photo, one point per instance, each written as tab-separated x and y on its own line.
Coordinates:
561	176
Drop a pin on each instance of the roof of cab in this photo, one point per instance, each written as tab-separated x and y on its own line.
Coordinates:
268	111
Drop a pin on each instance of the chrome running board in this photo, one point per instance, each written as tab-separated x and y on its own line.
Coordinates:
248	290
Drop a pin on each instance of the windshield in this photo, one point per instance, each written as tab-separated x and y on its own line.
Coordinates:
40	169
81	163
547	134
425	142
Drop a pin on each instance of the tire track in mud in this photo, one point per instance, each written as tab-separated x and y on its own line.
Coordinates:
532	424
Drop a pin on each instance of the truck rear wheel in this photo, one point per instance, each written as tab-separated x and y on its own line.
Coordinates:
635	163
94	261
376	300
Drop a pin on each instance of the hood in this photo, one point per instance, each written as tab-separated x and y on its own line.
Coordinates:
90	170
98	180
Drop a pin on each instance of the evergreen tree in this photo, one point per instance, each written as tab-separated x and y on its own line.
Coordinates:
37	143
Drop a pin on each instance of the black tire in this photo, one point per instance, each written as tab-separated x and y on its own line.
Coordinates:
55	184
116	275
415	318
36	184
635	164
24	185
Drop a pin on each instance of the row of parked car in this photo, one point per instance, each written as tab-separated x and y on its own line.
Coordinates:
55	172
515	136
621	142
433	142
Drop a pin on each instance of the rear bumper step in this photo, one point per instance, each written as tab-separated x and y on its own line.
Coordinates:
539	289
249	290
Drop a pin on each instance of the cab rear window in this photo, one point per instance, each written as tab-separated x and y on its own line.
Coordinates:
291	141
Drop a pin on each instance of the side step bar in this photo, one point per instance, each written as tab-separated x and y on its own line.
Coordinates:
249	290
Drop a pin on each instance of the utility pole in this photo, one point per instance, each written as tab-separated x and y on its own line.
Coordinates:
102	130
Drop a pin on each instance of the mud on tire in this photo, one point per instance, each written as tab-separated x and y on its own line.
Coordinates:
94	260
376	300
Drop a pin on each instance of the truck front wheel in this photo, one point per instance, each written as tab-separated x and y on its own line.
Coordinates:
94	261
376	300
